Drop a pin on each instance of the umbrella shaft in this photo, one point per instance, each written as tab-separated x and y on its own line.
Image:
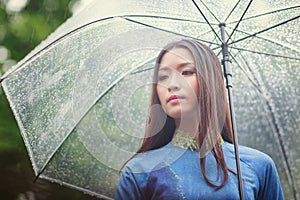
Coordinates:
228	75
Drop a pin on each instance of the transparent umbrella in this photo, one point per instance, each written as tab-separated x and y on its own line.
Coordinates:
81	97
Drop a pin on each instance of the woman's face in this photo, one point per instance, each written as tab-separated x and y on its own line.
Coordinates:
177	86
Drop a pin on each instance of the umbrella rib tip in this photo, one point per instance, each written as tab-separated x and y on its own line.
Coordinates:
36	177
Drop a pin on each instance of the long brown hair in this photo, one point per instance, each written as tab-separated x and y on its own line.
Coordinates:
214	118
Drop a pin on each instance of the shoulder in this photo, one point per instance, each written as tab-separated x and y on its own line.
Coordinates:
261	165
254	155
147	161
257	160
253	162
252	159
249	155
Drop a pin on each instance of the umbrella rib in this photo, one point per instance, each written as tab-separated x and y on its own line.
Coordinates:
21	65
276	126
143	70
267	54
42	169
2	78
238	23
248	77
267	39
168	31
264	30
231	11
221	51
210	25
210	11
283	151
164	17
267	13
215	38
87	191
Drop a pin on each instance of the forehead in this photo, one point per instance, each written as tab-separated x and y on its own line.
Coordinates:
176	57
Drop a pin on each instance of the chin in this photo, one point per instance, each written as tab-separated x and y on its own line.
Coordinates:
179	114
174	114
187	114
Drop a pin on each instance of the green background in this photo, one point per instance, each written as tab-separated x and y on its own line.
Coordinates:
22	27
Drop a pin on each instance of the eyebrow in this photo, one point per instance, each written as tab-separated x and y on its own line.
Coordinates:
166	68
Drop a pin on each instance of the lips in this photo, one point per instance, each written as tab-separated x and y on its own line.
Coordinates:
174	98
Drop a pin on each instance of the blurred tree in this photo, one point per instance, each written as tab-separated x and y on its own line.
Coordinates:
23	25
22	30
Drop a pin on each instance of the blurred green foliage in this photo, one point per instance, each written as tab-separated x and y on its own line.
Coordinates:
9	132
21	29
20	32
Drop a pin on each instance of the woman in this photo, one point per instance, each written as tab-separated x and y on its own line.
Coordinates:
187	151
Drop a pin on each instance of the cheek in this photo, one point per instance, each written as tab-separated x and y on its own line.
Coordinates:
196	88
193	86
160	92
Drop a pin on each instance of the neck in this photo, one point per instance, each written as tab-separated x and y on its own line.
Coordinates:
189	125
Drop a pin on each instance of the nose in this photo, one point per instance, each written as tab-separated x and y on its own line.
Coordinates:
174	83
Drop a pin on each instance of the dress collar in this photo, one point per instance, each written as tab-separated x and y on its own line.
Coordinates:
186	141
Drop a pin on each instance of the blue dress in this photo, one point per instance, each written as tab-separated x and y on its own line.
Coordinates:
171	172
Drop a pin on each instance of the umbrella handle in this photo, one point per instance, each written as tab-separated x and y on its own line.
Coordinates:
228	76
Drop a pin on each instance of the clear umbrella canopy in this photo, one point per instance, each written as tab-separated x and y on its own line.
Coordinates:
81	97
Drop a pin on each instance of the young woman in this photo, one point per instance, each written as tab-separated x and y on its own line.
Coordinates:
187	151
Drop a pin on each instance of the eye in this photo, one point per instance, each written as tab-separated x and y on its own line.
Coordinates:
188	72
162	77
